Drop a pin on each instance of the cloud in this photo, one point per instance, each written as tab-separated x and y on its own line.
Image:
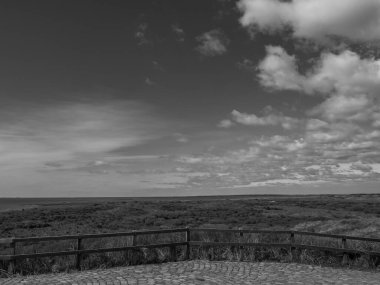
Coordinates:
339	134
270	118
51	133
277	142
140	34
210	161
350	82
330	153
225	124
317	20
332	133
344	72
225	8
278	70
181	138
343	107
158	66
149	81
190	159
212	43
273	182
179	32
342	141
315	124
376	120
246	64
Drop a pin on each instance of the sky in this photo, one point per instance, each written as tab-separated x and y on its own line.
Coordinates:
200	97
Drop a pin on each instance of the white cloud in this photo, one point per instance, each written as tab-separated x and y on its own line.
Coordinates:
190	159
179	32
212	43
278	70
246	64
344	73
326	137
370	135
376	167
296	145
332	132
376	120
140	34
351	169
352	145
228	159
52	133
340	134
315	124
252	119
351	82
277	142
181	138
338	140
269	119
272	182
316	20
332	154
225	124
242	155
342	107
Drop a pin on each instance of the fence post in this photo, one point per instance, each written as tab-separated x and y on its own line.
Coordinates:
345	256
173	256
241	247
292	241
131	253
79	256
133	240
12	262
187	254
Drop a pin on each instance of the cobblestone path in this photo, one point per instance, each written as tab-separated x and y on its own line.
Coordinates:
207	272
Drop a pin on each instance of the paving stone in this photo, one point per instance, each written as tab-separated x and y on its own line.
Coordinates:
203	272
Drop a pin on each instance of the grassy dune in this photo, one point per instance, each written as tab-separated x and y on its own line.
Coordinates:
352	215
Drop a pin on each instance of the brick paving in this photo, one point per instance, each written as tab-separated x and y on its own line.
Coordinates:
206	272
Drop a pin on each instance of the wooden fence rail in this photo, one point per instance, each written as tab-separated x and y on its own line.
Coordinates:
11	258
79	251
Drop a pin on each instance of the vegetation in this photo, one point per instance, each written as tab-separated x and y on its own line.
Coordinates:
352	215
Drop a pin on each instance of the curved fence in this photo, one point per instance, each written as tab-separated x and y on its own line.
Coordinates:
189	238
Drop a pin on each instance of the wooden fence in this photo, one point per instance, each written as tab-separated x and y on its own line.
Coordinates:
79	251
291	244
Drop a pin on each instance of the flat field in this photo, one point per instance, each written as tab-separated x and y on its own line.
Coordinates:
341	214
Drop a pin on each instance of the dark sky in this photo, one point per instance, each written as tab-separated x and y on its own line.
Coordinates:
61	48
143	95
